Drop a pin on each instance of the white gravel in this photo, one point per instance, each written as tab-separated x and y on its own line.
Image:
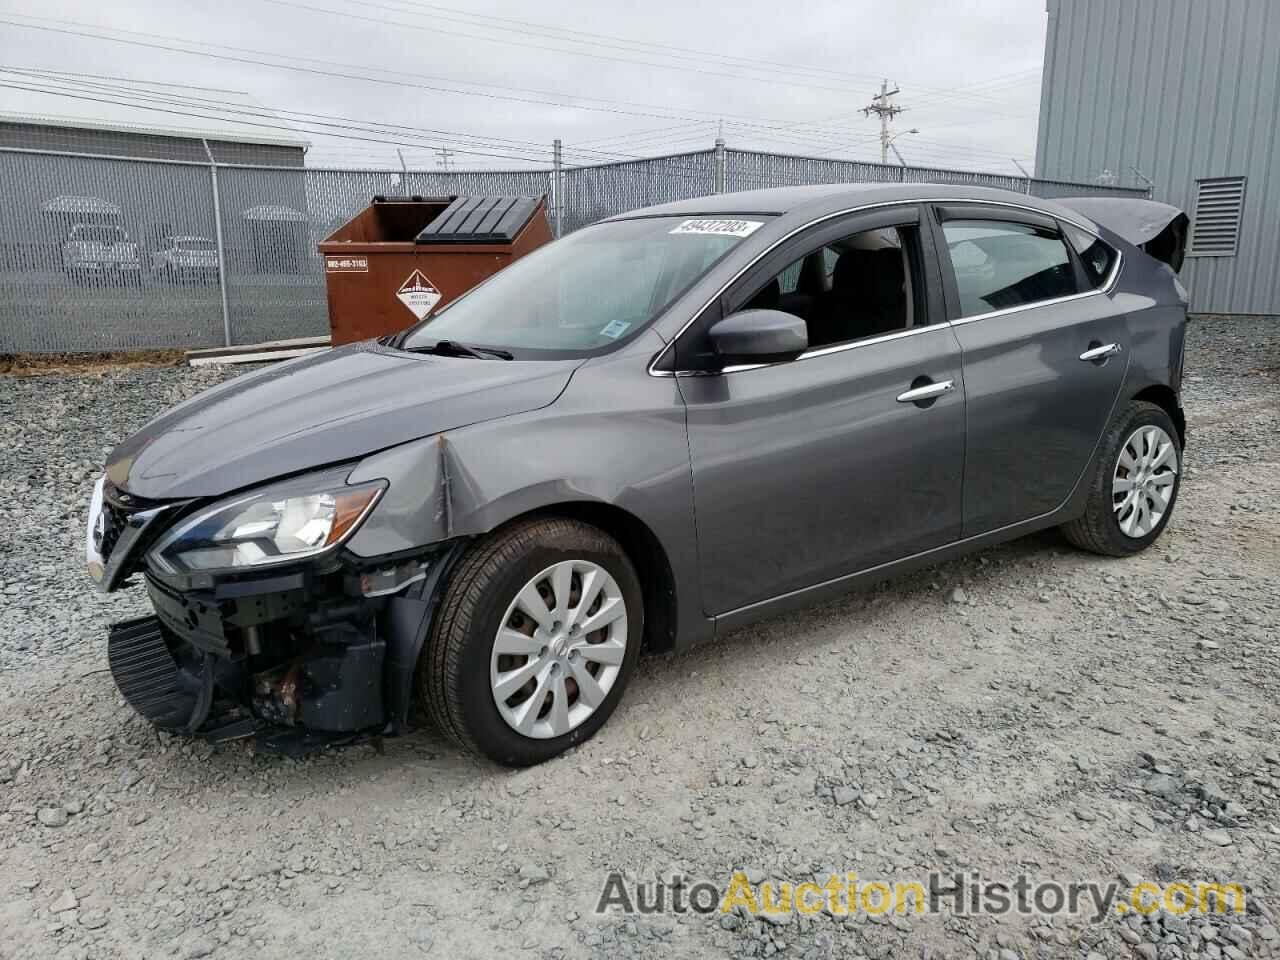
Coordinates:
1028	709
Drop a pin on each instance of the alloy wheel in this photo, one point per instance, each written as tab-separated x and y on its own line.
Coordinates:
1145	474
559	649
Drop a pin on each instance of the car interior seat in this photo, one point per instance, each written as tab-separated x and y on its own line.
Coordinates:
867	298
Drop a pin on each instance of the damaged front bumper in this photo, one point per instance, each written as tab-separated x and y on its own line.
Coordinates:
301	656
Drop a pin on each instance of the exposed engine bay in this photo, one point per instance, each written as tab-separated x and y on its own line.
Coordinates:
315	655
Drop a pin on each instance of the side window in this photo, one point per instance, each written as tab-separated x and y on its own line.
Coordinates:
1096	257
1000	264
864	285
829	258
789	279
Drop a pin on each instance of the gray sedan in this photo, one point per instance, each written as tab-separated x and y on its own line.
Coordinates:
653	431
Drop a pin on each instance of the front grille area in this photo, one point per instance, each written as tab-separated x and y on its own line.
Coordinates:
123	528
117	508
114	522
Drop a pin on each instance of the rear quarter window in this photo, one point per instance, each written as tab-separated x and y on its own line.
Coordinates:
1096	256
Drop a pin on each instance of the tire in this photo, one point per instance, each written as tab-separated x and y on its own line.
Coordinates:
459	669
1099	530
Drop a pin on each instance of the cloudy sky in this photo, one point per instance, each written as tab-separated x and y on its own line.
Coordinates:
497	80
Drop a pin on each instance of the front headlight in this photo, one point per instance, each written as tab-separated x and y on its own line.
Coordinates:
285	522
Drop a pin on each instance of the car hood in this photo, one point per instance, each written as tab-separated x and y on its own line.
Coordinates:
318	410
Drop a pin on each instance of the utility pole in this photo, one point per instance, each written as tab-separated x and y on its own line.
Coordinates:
446	157
886	110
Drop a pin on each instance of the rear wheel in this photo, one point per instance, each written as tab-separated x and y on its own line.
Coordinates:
537	636
1134	486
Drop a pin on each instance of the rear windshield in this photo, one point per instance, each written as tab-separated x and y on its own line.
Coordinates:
588	292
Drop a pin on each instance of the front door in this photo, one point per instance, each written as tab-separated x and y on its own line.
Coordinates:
808	470
1044	358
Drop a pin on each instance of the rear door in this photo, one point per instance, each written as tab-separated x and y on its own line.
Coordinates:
1044	356
815	468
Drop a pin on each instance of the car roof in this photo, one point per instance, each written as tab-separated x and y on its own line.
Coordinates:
820	199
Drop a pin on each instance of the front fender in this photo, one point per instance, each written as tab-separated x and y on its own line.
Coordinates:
616	436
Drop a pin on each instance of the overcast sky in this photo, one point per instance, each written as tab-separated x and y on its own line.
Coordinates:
652	78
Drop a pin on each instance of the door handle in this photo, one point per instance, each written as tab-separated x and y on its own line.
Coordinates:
1100	353
927	392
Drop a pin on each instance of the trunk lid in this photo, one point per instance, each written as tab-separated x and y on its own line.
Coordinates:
1155	228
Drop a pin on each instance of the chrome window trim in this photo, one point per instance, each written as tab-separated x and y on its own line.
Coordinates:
837	348
819	352
1105	288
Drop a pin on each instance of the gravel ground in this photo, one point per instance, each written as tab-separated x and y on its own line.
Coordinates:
1027	709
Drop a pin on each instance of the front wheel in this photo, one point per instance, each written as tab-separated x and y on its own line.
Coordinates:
537	636
1134	485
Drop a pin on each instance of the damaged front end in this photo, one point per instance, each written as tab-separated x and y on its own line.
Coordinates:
264	625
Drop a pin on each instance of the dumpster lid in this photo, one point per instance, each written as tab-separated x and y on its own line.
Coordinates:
480	220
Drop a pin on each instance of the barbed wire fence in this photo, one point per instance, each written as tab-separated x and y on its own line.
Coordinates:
260	276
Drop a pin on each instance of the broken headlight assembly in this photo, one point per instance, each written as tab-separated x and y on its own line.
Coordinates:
286	522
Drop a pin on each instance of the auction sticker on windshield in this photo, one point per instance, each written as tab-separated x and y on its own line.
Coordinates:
720	227
419	294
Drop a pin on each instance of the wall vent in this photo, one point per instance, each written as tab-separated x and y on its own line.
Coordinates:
1215	231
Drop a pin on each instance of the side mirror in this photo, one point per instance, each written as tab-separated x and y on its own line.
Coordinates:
758	336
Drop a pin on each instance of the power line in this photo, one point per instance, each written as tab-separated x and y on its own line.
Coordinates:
437	30
750	126
271	126
566	34
142	95
677	167
433	28
338	72
614	107
144	92
152	43
597	141
952	155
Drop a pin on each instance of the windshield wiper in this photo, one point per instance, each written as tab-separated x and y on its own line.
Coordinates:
455	348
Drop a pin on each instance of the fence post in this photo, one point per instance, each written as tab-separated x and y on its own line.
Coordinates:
217	239
1025	176
557	184
720	166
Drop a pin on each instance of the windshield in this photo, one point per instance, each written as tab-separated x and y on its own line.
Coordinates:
195	245
586	292
98	234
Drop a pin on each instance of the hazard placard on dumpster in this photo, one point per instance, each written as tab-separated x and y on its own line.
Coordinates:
419	294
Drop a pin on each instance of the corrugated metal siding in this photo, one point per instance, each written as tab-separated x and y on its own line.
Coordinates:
152	146
1183	90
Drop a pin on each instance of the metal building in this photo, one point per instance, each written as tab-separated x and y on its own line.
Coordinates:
1182	96
75	135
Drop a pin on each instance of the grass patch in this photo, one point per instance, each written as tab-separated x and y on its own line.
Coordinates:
46	364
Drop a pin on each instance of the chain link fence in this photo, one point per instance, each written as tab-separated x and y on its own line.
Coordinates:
100	253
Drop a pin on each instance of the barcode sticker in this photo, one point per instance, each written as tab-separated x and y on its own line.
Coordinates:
719	227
